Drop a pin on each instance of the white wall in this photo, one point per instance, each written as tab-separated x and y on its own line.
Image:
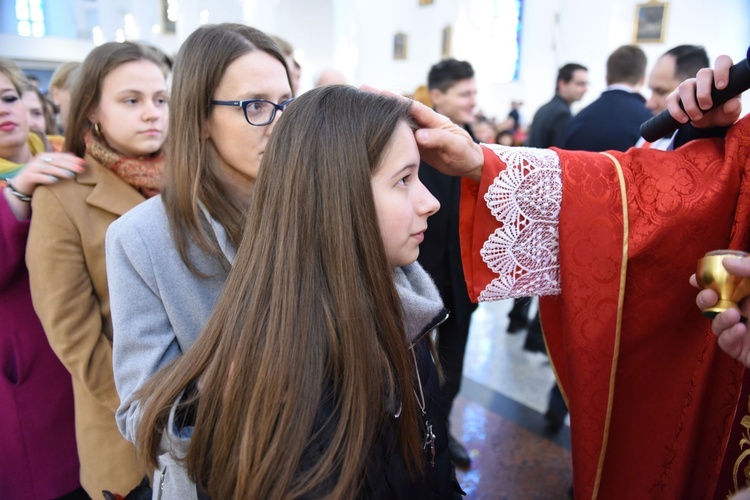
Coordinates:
357	37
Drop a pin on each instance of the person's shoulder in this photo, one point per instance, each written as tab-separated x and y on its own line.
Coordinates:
551	104
147	219
66	192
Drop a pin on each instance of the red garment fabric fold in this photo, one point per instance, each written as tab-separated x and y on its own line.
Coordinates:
652	397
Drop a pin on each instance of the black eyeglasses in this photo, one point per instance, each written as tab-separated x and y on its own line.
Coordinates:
258	112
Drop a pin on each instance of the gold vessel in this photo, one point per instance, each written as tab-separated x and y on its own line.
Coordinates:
731	289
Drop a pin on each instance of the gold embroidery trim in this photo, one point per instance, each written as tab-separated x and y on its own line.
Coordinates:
618	327
744	443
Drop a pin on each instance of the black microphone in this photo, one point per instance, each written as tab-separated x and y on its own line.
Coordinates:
663	124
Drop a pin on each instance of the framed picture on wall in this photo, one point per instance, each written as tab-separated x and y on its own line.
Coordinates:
445	46
650	22
399	46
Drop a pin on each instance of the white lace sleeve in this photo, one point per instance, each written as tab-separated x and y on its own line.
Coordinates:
525	198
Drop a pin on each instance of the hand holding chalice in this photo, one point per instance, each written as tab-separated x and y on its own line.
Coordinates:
731	289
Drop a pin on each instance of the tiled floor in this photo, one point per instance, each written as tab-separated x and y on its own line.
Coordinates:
499	416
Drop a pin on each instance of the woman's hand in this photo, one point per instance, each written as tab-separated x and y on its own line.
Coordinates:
733	335
44	168
47	168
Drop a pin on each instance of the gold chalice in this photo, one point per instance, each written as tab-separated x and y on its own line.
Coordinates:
731	289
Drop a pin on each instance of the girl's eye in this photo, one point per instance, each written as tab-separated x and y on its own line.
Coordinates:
10	98
403	181
131	100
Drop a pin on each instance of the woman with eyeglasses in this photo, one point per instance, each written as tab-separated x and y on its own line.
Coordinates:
168	259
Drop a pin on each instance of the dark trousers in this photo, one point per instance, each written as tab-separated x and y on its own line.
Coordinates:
556	400
534	340
534	337
519	314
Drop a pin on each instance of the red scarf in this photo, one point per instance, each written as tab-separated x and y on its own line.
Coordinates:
144	173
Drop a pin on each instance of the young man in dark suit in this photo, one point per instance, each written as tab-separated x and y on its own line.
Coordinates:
614	120
453	94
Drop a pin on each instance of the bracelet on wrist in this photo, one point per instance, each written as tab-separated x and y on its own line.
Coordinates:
18	194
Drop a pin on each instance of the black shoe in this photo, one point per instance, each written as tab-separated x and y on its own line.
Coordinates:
555	415
516	326
458	454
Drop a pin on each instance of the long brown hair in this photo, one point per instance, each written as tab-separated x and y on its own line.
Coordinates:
87	90
310	315
190	174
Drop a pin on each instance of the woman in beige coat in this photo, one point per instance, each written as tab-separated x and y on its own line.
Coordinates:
118	128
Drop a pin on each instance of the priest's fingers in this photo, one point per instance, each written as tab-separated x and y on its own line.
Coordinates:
721	71
452	151
695	96
735	341
706	298
725	321
738	267
687	90
694	282
722	116
442	144
706	79
422	115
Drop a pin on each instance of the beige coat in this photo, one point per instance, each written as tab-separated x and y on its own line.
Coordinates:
65	257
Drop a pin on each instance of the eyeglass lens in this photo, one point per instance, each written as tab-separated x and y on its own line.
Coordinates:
259	112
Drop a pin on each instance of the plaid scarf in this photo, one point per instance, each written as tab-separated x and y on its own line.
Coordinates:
143	173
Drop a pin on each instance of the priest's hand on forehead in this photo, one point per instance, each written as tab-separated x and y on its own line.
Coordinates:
442	144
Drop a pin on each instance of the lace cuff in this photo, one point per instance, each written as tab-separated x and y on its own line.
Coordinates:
525	198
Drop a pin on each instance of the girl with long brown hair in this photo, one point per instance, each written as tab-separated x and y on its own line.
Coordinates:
167	261
313	376
117	126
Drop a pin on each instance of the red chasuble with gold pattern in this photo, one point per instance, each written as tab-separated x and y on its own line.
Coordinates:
657	409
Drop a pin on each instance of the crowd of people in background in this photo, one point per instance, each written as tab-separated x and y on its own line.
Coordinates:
124	219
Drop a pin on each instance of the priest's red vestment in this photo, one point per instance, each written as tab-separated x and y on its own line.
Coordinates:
657	409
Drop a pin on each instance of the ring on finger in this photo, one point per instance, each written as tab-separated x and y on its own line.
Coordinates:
47	159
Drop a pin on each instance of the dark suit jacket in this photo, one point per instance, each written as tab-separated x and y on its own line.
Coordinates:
440	253
611	122
548	126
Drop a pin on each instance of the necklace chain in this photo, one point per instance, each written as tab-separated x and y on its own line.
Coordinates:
421	402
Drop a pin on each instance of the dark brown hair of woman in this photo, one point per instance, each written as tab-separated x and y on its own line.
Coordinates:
87	91
191	176
310	316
